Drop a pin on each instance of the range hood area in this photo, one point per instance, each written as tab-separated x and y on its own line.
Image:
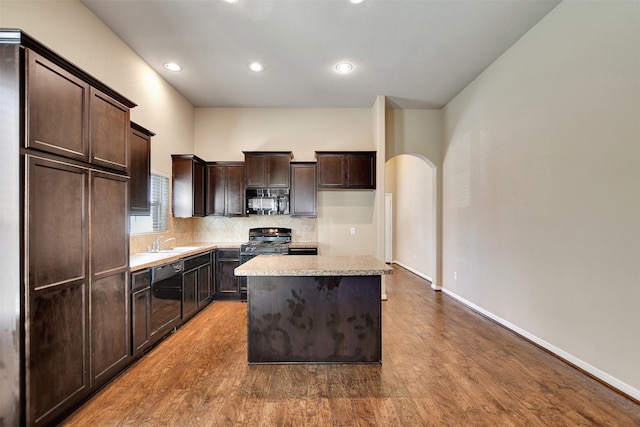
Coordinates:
267	201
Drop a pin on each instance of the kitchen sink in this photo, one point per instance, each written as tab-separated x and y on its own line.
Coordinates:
183	249
176	250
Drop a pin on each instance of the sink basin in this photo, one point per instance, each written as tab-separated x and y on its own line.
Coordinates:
176	250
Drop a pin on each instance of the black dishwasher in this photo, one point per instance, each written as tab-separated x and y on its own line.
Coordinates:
166	298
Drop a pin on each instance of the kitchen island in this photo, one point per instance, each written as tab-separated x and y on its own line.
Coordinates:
314	308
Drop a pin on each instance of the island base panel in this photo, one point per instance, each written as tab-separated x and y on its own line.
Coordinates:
315	319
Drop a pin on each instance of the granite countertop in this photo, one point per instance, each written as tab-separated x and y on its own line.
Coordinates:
313	265
150	259
143	260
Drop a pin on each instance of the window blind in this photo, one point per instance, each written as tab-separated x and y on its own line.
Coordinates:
159	203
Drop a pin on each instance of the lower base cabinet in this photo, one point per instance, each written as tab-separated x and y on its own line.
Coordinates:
140	311
196	284
227	284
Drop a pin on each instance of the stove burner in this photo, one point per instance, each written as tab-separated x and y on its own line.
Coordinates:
272	240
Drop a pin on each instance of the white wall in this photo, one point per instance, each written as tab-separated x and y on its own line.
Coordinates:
542	188
74	32
223	133
411	181
420	133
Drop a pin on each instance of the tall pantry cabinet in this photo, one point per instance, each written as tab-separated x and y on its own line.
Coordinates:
72	318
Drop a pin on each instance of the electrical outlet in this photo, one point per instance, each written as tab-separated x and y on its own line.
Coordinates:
455	275
353	230
414	257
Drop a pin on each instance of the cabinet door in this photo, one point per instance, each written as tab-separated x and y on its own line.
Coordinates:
140	321
56	325
332	171
267	170
361	170
278	170
303	190
109	327
188	186
234	202
109	294
110	129
227	284
204	285
256	170
216	188
139	173
57	110
199	187
189	292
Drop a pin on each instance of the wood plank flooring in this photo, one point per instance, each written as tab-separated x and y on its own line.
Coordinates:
443	365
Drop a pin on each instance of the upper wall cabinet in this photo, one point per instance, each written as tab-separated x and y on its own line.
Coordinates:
188	179
140	170
304	185
267	169
344	170
225	188
71	118
109	135
57	108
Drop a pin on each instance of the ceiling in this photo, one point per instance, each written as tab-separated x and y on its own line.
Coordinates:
418	53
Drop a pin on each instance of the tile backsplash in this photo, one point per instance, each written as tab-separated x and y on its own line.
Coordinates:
222	229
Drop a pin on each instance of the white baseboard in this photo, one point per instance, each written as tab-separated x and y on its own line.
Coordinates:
417	273
597	373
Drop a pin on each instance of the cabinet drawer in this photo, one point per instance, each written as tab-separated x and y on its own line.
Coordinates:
197	261
229	254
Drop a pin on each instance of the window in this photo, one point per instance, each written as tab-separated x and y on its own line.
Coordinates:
158	219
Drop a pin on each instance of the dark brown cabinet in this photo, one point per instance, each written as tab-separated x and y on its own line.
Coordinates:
196	284
57	358
205	285
109	134
340	170
109	266
227	284
140	311
189	293
72	187
140	169
78	256
267	169
225	189
304	189
57	109
188	180
70	118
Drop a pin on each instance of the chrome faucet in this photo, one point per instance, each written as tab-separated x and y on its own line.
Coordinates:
157	244
160	244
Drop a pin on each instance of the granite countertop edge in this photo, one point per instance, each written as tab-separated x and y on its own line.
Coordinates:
144	260
313	265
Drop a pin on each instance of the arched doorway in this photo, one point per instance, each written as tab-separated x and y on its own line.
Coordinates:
412	180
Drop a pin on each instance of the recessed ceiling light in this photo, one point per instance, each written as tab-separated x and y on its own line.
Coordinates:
231	1
344	67
254	66
172	66
356	1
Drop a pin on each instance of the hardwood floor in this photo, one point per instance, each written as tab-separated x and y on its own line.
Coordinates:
443	364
